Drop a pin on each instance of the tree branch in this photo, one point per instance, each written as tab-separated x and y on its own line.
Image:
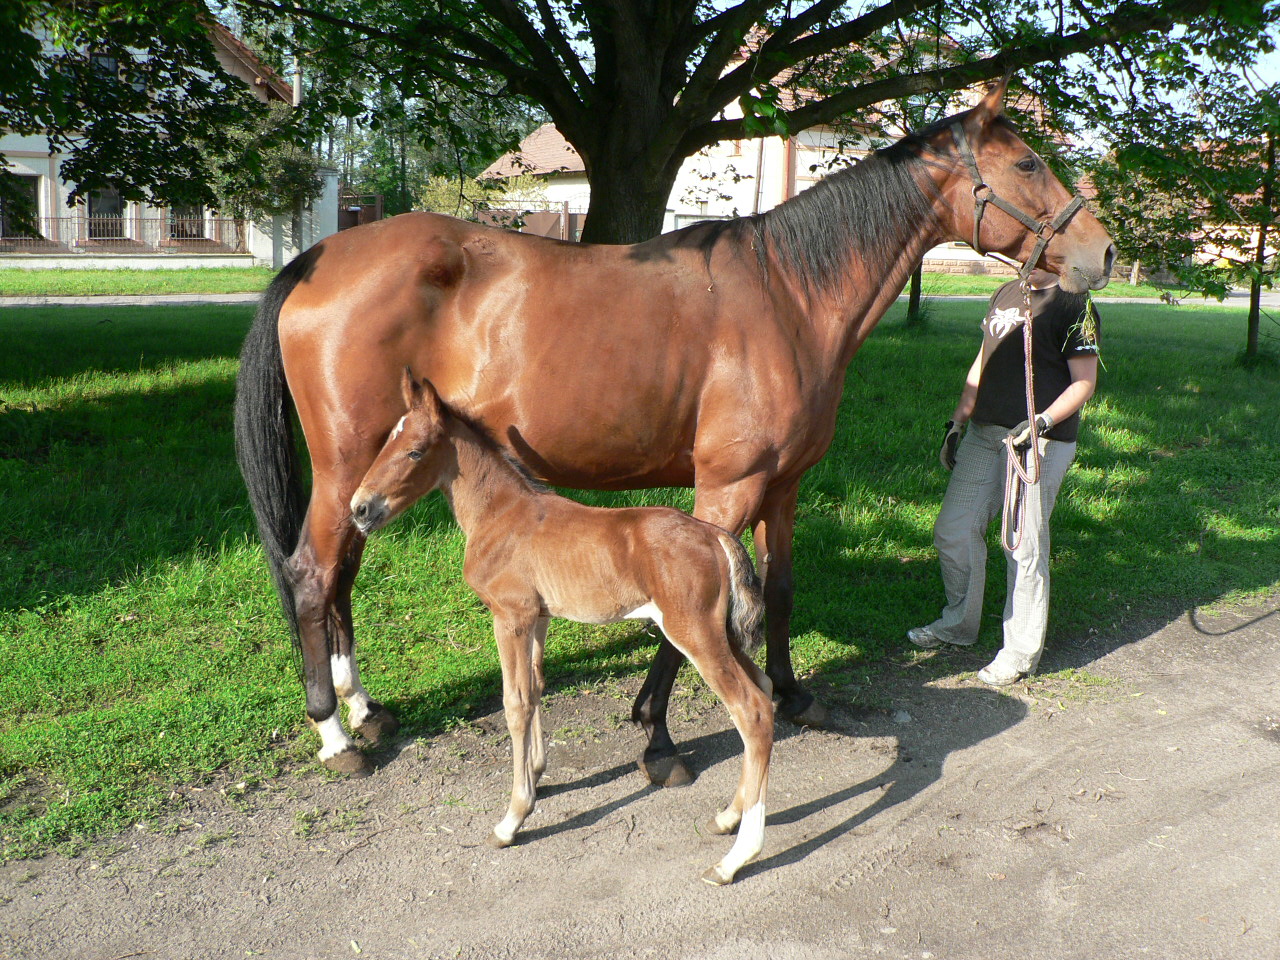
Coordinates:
1128	19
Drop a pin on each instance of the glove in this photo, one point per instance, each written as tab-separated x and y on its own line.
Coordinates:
950	441
1023	434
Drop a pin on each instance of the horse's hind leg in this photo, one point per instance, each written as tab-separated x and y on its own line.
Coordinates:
515	633
365	715
316	567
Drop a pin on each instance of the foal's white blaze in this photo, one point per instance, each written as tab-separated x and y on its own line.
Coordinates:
749	843
398	429
333	739
346	682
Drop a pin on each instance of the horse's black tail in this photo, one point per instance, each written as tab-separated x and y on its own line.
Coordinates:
264	436
745	619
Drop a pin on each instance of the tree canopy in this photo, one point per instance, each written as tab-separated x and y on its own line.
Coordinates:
636	86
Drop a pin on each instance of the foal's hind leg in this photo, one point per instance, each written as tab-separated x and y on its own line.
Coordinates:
515	632
728	507
365	715
751	709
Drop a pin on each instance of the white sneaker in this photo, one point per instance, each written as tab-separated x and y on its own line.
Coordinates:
997	674
924	638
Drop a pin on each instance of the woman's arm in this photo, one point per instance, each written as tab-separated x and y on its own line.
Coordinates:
1084	380
969	395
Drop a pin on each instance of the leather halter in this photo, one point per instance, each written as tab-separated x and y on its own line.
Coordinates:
983	194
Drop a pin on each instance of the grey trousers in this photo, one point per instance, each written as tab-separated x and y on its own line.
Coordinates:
974	498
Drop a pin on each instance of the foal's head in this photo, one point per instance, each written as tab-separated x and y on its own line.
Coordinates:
412	462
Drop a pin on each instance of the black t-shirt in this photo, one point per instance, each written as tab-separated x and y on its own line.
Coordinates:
1062	327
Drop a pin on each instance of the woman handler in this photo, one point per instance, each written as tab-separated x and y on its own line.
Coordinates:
993	403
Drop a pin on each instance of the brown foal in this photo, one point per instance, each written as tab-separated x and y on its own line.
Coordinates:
532	555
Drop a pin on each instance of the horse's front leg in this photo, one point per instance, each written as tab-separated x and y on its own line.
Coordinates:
729	507
774	530
515	631
365	715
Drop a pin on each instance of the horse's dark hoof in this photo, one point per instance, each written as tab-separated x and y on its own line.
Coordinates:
378	724
800	708
351	762
666	771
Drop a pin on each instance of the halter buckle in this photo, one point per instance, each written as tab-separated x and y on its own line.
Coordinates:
986	196
1046	231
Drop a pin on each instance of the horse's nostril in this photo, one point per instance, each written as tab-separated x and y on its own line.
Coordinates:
1108	260
362	510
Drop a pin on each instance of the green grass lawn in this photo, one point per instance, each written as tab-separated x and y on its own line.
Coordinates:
65	283
95	283
143	646
961	284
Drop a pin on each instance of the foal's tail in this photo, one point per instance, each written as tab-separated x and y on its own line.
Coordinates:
264	436
745	619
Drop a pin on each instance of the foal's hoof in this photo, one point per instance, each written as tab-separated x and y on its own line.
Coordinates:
351	762
667	771
800	708
716	878
498	843
378	723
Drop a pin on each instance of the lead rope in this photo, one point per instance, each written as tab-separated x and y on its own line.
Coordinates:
1017	476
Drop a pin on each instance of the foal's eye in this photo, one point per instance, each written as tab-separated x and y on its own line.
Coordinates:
414	455
1028	165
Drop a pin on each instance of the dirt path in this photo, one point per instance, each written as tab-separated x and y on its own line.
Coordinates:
1133	814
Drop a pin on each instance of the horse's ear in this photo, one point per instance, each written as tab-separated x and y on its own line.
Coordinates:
410	389
992	103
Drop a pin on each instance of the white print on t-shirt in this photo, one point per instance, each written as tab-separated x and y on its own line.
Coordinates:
1000	322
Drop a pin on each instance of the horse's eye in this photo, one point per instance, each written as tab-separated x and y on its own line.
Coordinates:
1028	165
414	455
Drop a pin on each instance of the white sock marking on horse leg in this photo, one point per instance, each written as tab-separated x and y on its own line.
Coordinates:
749	843
346	682
333	739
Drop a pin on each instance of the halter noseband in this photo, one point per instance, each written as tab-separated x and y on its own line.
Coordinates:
983	194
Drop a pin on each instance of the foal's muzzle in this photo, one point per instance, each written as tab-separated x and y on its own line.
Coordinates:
369	511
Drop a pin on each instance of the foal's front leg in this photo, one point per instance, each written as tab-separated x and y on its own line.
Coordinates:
516	633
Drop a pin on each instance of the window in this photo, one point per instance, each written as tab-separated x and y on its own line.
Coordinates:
20	208
106	215
186	222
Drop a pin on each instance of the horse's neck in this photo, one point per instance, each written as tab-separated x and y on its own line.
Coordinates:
843	320
484	486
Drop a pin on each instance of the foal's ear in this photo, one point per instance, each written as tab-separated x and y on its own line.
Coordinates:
410	389
992	103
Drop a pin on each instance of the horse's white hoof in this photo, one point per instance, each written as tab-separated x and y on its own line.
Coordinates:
716	877
496	841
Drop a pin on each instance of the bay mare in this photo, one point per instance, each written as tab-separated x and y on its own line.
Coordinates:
711	357
532	555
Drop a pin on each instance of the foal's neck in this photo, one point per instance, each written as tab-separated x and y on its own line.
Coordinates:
485	485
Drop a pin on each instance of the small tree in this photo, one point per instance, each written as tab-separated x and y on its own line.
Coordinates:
263	170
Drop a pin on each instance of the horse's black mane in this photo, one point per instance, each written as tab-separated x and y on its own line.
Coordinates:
876	205
873	205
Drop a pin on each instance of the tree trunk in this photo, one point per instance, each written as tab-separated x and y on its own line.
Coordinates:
1260	253
626	206
913	299
1135	273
